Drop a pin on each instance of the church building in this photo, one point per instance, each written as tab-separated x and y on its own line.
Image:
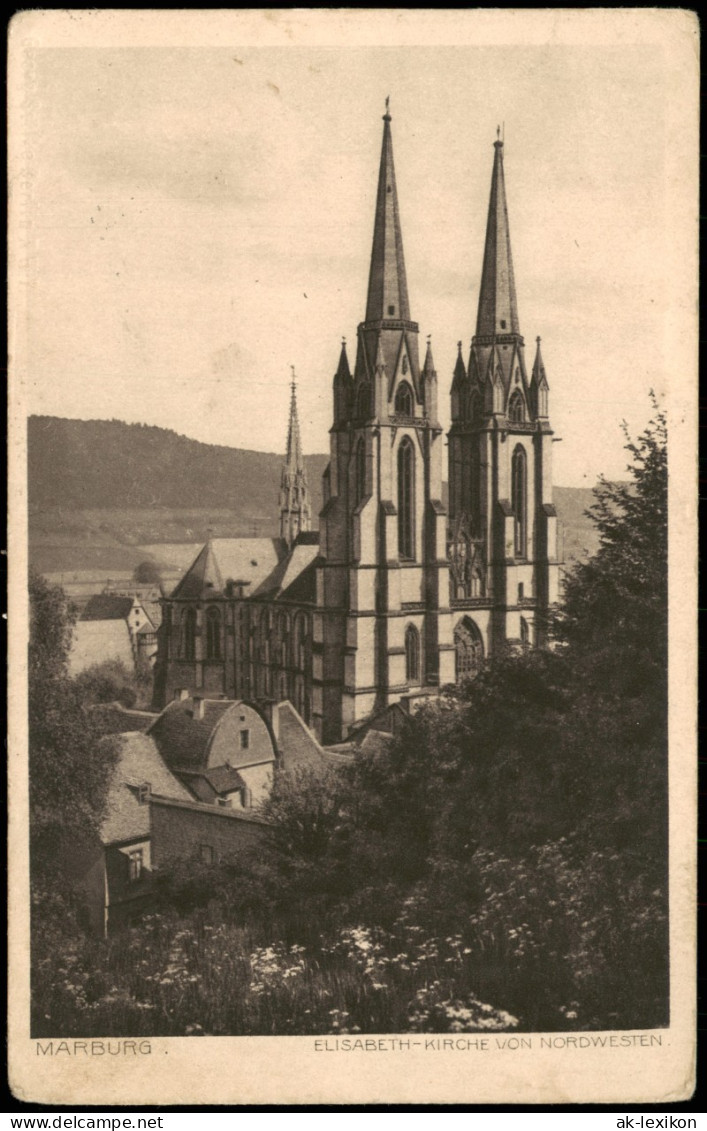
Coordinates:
393	597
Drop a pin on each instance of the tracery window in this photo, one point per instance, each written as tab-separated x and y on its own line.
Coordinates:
412	654
363	401
406	499
360	471
519	502
469	649
213	634
516	408
404	400
190	634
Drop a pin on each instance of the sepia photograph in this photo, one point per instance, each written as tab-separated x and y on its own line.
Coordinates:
347	373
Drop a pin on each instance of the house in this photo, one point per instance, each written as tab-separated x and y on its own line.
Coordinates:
112	627
151	821
186	783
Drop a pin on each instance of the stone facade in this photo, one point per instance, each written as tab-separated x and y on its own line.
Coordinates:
395	598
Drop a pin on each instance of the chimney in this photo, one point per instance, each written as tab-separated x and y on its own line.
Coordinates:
180	694
198	712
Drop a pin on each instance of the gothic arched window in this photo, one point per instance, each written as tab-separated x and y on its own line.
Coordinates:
283	627
412	654
404	400
516	408
469	648
360	471
213	634
299	631
190	634
519	502
472	406
524	634
363	401
406	499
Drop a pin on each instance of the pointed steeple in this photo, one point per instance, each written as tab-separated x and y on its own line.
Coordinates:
343	373
429	382
498	307
459	368
387	283
429	372
295	509
538	366
539	387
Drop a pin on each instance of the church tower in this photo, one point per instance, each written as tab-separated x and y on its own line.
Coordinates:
295	508
503	527
383	527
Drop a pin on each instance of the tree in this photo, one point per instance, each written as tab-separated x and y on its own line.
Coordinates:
108	682
68	767
147	573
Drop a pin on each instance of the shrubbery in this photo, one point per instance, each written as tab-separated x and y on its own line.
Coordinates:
507	852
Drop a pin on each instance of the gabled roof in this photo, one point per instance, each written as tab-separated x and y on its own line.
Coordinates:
224	559
189	743
106	606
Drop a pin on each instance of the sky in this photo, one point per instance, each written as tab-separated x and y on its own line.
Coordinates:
200	219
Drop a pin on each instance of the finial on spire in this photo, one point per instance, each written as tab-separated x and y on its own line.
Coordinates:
343	341
293	382
429	338
386	116
498	132
538	339
459	347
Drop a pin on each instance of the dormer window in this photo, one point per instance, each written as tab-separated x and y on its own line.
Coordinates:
403	400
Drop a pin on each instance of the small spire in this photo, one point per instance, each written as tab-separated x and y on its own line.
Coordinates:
343	370
459	367
294	443
428	369
538	374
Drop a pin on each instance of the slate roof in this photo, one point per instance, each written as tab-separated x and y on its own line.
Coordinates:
222	779
106	606
287	571
183	740
224	559
138	762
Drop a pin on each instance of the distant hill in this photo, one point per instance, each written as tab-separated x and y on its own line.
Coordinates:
89	464
104	494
